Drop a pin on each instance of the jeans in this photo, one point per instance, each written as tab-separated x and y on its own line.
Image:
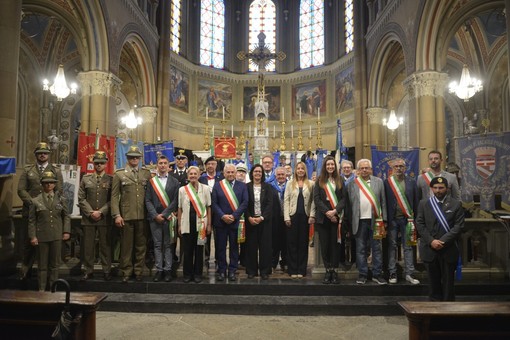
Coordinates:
162	250
365	241
399	225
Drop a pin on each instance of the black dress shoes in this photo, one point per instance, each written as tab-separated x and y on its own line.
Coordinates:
334	278
107	276
186	279
221	277
139	278
265	276
251	276
232	277
158	277
197	279
327	277
125	279
87	276
168	276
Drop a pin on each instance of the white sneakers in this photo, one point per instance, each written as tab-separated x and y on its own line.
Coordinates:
412	280
393	278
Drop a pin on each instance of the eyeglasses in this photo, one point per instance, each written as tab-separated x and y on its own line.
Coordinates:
399	166
134	157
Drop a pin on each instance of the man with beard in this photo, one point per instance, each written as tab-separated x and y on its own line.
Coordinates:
435	160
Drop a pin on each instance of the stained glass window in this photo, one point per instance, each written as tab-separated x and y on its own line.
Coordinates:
262	19
311	33
349	26
175	25
212	33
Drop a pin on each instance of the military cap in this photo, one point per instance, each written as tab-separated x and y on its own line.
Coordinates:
438	180
42	147
49	177
180	154
100	157
241	167
210	159
133	151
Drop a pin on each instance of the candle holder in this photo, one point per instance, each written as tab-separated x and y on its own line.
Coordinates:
319	136
207	145
310	143
223	132
300	136
283	147
241	138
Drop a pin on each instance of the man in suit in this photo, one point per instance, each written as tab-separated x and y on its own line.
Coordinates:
279	227
49	223
440	221
29	186
94	198
347	254
402	202
128	212
423	181
229	202
267	165
366	211
161	199
209	178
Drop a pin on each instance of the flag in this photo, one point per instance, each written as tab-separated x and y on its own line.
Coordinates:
88	145
98	138
151	152
338	154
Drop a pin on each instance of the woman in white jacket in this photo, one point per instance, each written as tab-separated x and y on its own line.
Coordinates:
298	213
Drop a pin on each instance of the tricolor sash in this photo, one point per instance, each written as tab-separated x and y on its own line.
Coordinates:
403	203
379	230
160	191
227	189
201	211
333	201
428	176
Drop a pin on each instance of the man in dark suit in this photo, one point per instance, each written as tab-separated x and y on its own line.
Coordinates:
229	202
440	221
161	197
402	203
29	186
209	178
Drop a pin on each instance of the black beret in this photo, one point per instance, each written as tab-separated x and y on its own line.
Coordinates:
438	180
210	159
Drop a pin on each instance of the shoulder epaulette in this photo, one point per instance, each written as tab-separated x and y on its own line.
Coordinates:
121	169
29	166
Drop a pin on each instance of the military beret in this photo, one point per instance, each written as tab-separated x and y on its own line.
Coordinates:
438	180
210	159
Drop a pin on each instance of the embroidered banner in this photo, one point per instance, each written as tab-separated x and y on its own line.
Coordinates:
224	148
87	147
151	152
381	159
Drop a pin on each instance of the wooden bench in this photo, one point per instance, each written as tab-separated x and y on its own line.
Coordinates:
462	320
34	315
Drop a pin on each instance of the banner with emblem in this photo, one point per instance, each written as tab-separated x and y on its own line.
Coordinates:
151	152
224	148
87	147
485	168
381	162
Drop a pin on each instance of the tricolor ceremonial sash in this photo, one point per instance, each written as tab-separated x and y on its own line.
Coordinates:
333	201
227	189
404	205
160	191
428	176
201	211
379	230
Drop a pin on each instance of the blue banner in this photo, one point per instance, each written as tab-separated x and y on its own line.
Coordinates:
320	159
485	168
382	169
7	166
122	147
151	152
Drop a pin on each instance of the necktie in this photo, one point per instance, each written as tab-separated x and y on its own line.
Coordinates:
180	173
135	174
98	178
41	169
50	200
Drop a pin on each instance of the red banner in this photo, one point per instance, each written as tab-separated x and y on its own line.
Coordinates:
224	147
86	151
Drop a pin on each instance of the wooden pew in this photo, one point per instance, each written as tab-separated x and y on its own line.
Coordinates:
460	320
34	315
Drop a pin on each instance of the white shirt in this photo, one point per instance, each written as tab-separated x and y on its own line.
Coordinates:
365	208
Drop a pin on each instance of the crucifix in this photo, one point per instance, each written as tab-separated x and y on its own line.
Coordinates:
261	56
11	141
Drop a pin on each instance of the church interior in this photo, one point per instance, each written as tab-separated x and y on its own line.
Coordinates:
192	70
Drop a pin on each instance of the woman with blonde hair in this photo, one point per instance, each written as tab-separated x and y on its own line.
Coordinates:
298	213
329	198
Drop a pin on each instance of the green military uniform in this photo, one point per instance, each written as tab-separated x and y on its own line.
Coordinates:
29	186
128	201
95	195
47	222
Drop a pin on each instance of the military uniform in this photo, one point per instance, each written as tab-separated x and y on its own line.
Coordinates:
29	186
47	222
128	202
95	195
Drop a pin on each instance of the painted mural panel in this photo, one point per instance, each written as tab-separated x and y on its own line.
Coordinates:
179	89
272	98
344	90
307	98
216	98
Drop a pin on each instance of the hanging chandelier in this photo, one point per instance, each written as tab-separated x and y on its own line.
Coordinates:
393	123
59	87
131	121
467	87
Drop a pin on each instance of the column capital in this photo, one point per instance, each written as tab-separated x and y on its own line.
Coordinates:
99	83
148	113
429	83
375	114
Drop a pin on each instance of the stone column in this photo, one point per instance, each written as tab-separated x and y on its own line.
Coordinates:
426	91
10	26
98	92
148	114
375	116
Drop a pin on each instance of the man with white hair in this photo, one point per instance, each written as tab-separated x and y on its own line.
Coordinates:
366	211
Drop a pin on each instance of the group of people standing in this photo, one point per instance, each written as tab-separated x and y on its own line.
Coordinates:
270	217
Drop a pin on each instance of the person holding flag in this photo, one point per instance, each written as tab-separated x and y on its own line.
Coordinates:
366	211
402	202
161	202
229	203
329	199
440	221
194	224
